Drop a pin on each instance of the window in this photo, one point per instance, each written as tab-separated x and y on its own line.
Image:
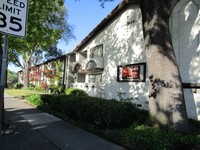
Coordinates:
91	65
77	68
96	51
95	78
81	78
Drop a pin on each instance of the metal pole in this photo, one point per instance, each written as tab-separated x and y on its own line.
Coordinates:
2	83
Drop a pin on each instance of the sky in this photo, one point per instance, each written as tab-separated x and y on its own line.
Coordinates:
84	16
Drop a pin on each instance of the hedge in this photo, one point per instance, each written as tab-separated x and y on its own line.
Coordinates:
113	114
142	137
100	112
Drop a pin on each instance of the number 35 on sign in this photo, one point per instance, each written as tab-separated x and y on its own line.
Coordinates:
13	17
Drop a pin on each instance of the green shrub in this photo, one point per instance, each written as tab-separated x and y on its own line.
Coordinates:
57	89
46	98
31	86
113	114
195	124
53	89
147	138
34	99
43	86
51	102
100	112
37	88
18	85
75	92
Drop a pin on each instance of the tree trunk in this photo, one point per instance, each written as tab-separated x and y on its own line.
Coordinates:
26	76
26	70
166	99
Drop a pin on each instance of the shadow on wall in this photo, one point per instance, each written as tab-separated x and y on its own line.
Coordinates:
123	44
187	48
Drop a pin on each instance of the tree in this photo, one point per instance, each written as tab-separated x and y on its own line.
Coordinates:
53	52
47	77
46	25
12	78
166	99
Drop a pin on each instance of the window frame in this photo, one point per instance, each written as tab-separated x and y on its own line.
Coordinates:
96	48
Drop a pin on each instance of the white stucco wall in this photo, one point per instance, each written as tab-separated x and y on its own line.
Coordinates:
185	29
123	44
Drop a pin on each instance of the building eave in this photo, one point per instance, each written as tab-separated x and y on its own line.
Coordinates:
54	59
103	23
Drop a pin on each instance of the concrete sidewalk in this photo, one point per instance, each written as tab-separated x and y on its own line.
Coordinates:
37	130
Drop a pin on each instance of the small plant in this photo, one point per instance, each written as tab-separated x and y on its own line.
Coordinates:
61	89
43	86
75	92
122	96
57	89
34	99
18	85
31	86
37	88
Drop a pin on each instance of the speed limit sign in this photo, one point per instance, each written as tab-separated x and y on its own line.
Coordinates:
13	17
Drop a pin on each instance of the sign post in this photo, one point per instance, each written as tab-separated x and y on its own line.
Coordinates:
2	84
13	18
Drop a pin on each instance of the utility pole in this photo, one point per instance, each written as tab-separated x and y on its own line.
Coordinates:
2	84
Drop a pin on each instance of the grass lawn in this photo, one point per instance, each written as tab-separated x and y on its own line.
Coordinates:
20	92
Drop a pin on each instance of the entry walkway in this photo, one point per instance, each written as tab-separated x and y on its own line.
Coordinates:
37	130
